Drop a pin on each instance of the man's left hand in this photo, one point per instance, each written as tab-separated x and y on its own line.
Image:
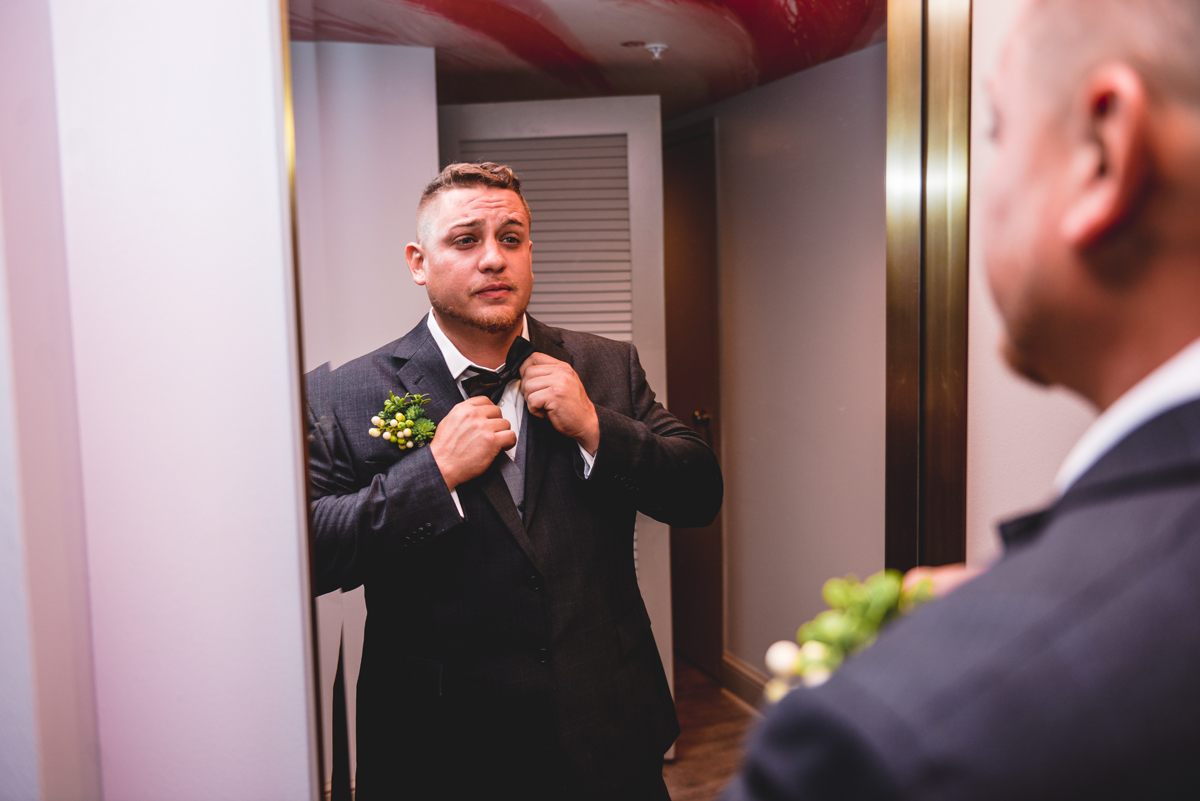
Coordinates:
552	389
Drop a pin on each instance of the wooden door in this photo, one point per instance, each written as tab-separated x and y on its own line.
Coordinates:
693	371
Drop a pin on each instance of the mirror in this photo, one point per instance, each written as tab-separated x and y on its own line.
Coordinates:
775	131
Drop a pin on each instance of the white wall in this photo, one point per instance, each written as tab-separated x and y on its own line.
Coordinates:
50	744
367	144
167	396
367	141
1017	434
18	726
803	245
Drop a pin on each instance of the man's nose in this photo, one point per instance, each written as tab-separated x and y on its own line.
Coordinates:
493	257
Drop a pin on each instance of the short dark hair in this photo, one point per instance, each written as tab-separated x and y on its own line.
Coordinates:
462	175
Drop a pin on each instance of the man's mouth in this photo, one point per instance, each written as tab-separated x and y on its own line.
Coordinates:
494	289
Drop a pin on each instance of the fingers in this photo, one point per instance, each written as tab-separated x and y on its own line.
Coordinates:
536	402
497	425
468	439
944	579
478	405
547	373
537	358
539	364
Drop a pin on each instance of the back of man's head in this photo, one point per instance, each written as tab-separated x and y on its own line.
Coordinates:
462	175
1158	38
1091	207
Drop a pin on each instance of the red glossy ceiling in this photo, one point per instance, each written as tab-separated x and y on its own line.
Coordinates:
495	50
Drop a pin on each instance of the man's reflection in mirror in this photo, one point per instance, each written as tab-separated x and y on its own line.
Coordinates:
507	649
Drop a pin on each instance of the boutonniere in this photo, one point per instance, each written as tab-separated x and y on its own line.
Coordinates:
404	422
857	613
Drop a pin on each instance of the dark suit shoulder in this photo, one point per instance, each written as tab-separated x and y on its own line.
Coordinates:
1063	669
375	369
352	371
578	343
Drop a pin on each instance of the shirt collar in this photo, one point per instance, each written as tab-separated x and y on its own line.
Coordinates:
1174	383
455	361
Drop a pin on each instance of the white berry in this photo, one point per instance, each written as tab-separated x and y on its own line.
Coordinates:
781	657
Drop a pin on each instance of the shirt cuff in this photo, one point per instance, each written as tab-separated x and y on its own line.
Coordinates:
458	503
589	459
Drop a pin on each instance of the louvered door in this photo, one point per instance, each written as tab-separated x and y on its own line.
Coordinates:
578	193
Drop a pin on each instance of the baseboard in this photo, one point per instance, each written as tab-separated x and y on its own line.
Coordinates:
743	680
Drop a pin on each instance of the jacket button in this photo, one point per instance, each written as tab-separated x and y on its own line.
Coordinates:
535	583
542	655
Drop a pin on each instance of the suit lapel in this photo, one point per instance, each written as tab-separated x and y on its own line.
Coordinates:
424	372
541	437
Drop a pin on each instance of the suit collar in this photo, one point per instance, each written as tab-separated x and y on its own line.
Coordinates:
1167	442
1174	383
1163	453
456	363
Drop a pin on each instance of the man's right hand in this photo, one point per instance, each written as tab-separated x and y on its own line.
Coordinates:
468	439
945	579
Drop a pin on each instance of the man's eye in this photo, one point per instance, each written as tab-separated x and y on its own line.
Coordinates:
465	240
511	239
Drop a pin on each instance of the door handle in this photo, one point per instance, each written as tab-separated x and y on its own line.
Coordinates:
701	418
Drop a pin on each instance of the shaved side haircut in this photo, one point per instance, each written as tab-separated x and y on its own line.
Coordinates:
467	176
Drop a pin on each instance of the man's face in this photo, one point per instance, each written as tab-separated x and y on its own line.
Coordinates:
1022	209
475	258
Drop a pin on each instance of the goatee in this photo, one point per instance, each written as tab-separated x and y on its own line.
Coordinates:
500	321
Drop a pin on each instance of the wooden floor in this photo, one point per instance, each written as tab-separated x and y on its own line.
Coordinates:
714	726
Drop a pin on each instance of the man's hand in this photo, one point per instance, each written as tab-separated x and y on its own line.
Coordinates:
945	579
468	439
552	389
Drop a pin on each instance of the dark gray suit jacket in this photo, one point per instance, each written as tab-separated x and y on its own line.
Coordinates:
511	645
1068	670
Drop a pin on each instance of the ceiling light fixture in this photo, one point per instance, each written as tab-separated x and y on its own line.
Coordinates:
656	49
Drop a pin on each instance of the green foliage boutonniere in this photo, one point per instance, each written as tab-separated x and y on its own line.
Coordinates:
857	613
404	422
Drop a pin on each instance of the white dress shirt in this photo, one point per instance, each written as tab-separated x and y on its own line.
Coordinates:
1174	383
512	403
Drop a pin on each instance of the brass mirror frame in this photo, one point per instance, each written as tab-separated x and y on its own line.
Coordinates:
928	162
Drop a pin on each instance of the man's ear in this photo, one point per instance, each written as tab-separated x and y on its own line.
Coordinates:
1114	159
415	257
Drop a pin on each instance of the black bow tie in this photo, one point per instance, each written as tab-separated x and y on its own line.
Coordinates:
491	384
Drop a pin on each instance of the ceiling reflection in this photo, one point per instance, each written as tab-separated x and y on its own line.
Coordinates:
500	50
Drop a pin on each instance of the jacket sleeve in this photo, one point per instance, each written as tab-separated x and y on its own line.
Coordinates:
669	471
400	507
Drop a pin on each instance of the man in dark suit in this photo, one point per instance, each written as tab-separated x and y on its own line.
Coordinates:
1069	669
508	652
